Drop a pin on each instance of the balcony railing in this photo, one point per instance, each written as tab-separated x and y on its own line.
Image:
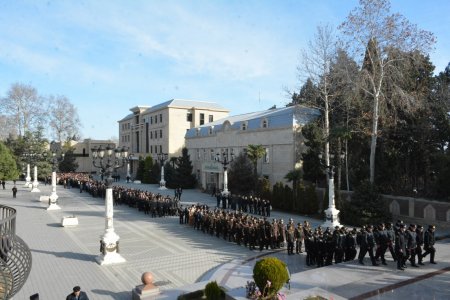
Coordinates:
15	256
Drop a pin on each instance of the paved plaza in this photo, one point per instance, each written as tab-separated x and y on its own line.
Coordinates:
183	259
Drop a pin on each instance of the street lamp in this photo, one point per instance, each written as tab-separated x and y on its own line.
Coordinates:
225	162
107	160
130	157
331	213
53	204
162	157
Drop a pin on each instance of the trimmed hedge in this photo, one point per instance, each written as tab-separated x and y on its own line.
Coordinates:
270	269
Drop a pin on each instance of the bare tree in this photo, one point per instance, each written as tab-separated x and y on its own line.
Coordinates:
372	30
25	107
64	121
316	63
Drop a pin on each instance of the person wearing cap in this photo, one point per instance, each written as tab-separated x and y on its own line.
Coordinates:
299	237
411	245
400	246
419	241
391	239
429	241
367	245
77	294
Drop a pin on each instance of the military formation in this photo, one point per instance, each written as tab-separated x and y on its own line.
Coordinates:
245	220
322	246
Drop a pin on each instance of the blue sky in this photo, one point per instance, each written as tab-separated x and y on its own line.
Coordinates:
108	56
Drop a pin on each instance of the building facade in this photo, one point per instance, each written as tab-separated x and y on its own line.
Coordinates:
277	130
150	130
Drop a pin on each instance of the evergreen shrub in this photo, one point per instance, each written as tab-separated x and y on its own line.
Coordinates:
272	270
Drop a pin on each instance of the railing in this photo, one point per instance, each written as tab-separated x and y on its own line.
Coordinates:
15	256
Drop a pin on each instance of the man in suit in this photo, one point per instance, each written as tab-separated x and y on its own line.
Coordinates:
400	246
77	294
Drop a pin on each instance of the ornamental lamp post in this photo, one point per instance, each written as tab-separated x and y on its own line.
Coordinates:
162	157
225	162
331	213
107	160
53	203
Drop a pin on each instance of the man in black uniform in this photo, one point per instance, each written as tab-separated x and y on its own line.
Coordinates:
411	245
419	240
400	246
367	245
429	243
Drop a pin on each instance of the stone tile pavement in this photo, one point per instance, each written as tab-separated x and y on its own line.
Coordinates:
180	258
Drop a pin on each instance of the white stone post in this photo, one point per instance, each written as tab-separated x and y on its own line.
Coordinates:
331	214
35	182
28	178
162	183
110	239
53	197
225	182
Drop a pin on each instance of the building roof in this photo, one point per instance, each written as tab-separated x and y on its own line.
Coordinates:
174	103
181	103
276	118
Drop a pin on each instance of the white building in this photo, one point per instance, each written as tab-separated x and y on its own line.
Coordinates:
150	130
277	130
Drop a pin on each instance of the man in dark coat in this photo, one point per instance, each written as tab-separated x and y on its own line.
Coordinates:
419	240
77	294
429	243
400	246
367	244
411	244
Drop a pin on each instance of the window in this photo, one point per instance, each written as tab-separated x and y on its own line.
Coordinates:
244	126
213	156
211	130
151	120
156	134
156	119
156	149
264	123
160	118
266	155
151	135
202	119
160	133
160	148
198	154
210	118
204	154
189	117
136	120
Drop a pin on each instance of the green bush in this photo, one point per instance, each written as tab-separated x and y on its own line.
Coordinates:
213	291
270	269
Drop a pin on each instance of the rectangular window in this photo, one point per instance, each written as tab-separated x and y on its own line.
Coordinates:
156	134
204	154
160	133
156	149
189	117
198	154
212	154
160	148
202	119
151	135
156	119
210	118
151	120
160	118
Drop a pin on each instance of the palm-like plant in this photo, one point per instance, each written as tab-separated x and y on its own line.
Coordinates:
254	153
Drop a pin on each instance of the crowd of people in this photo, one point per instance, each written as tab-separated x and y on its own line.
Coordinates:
244	220
322	246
